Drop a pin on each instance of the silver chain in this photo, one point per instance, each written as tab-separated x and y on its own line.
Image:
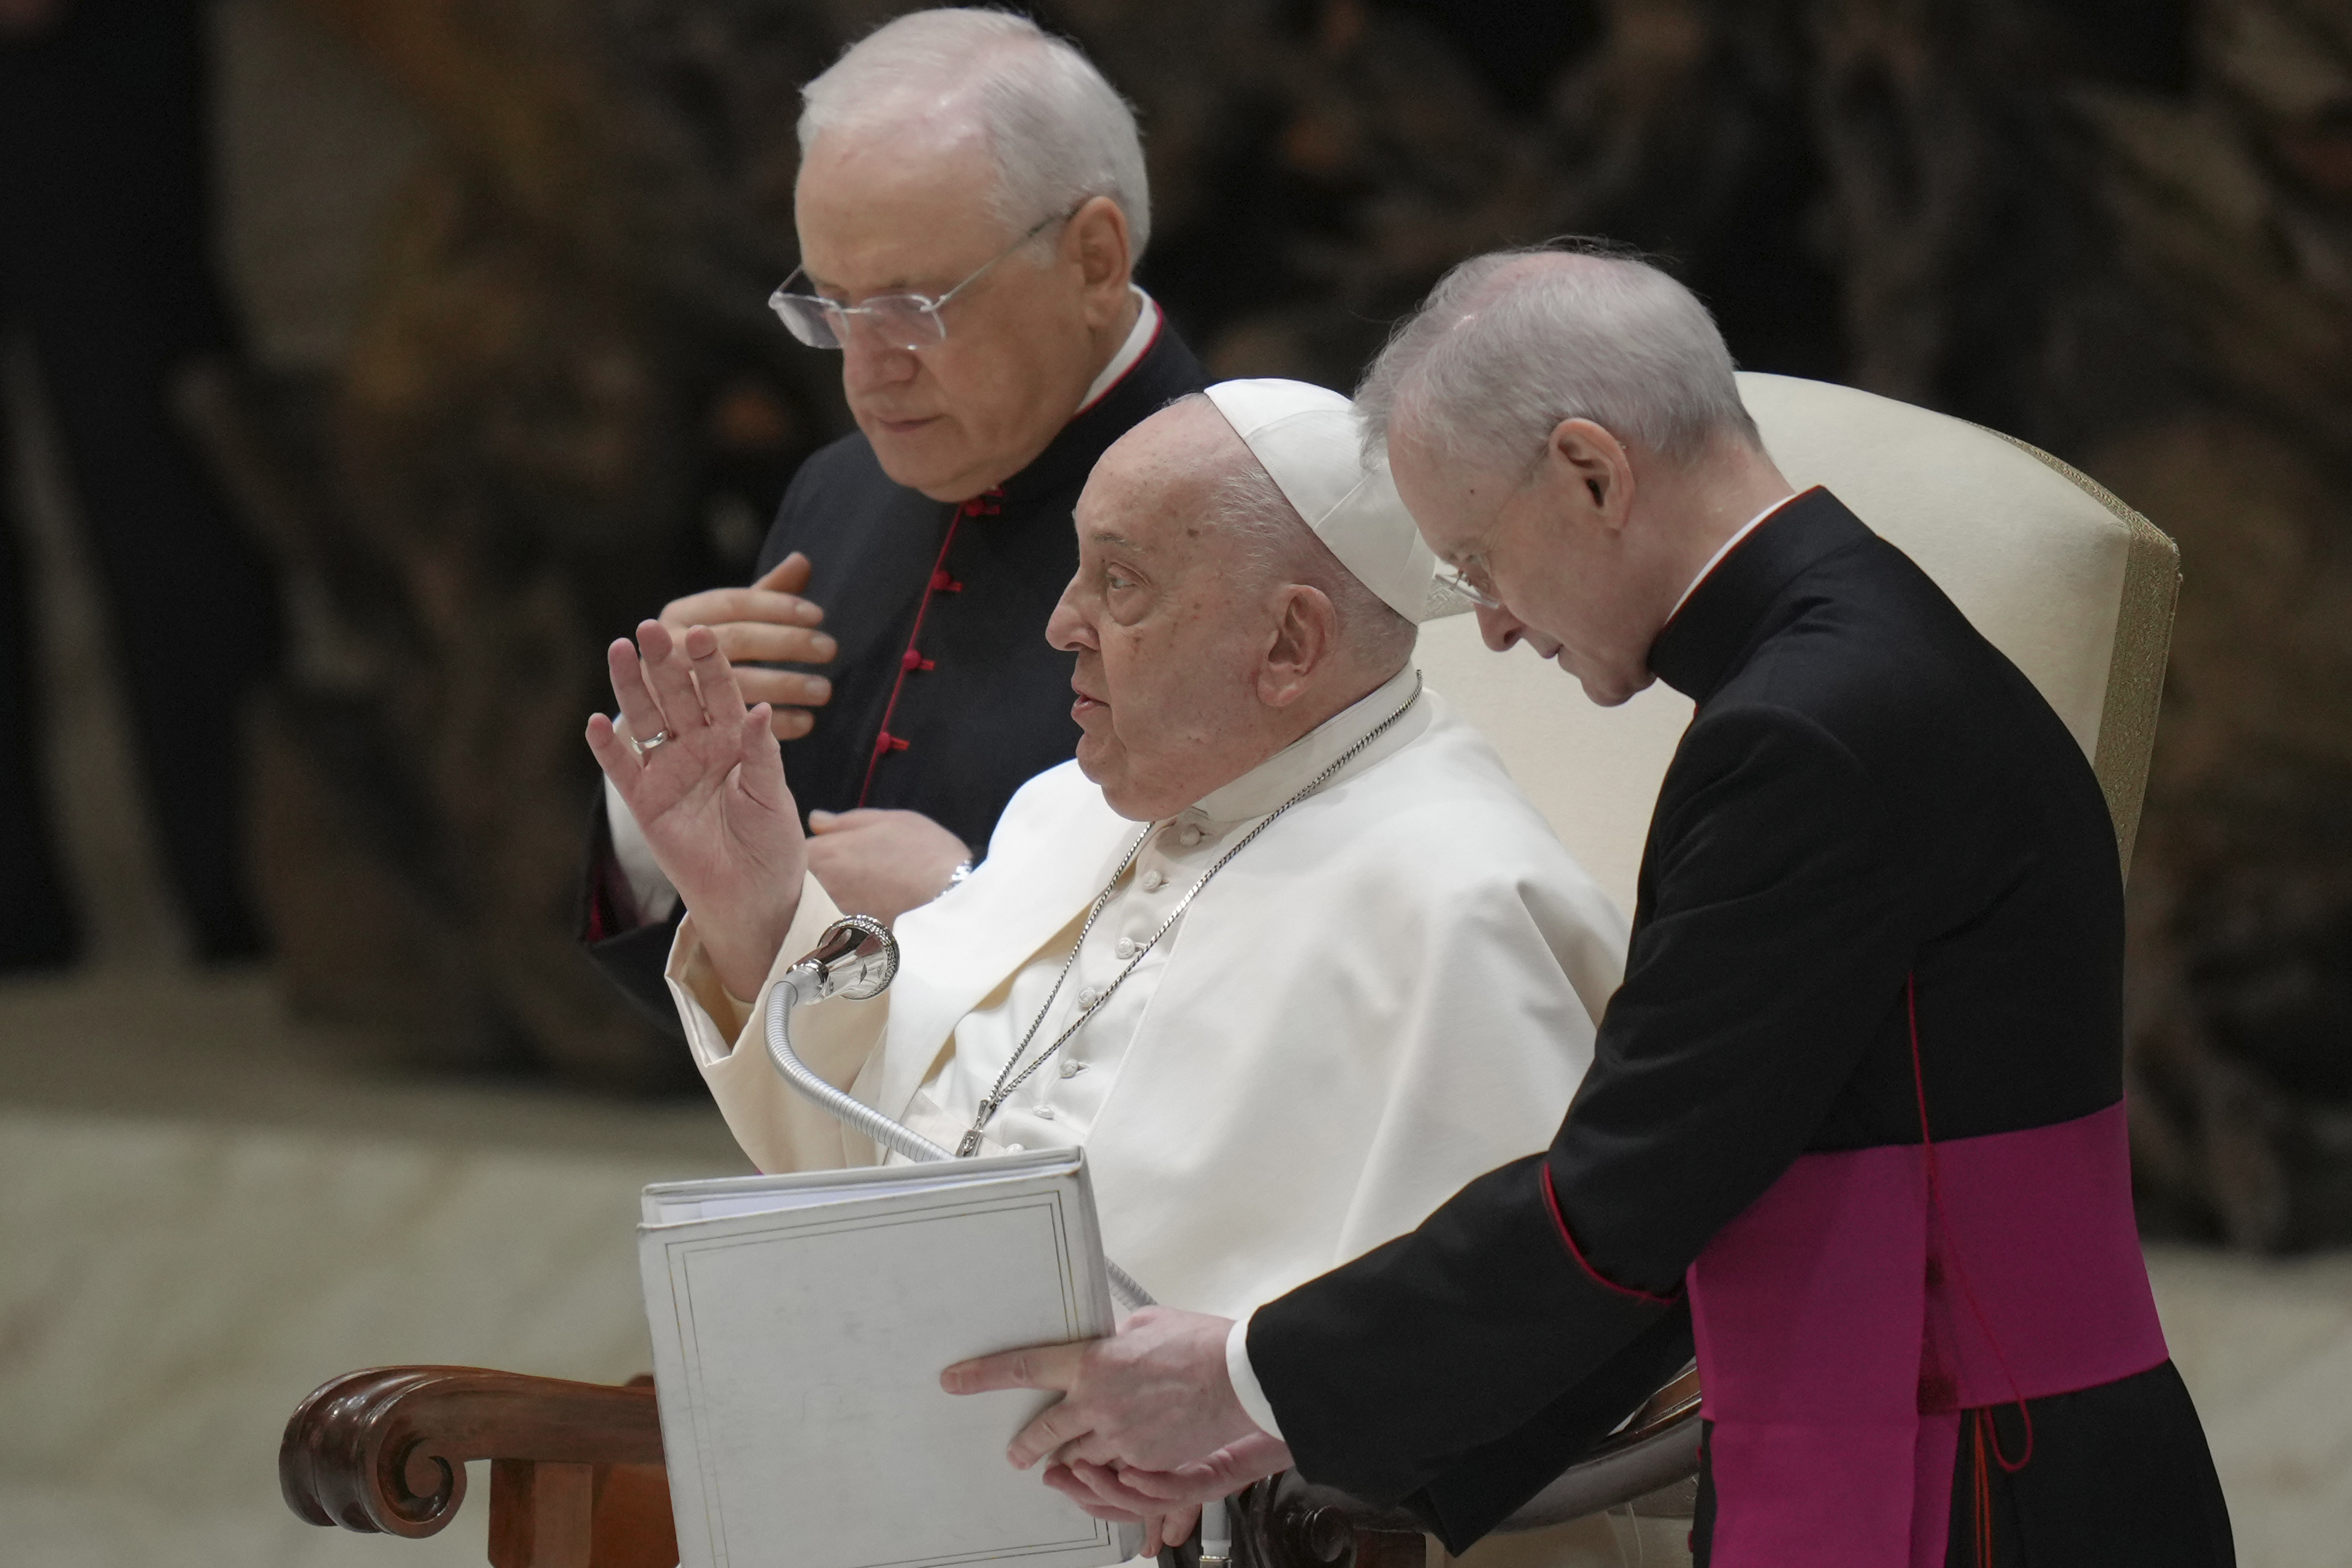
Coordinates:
1007	1081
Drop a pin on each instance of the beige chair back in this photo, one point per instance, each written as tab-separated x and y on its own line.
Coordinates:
2070	583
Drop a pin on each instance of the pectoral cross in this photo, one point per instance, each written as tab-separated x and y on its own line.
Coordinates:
970	1144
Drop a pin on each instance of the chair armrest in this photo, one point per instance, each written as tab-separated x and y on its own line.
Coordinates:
1658	1448
1288	1522
384	1450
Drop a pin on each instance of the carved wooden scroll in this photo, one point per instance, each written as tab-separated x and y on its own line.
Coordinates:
575	1483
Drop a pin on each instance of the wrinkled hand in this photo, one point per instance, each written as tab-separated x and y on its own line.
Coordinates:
711	799
1153	1397
1127	1493
1163	1526
766	620
882	863
1167	1531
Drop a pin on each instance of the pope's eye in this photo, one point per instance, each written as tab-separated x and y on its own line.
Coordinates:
1116	580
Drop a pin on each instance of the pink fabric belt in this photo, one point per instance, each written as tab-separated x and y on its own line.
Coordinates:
1841	1330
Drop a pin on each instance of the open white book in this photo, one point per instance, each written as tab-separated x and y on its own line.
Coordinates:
800	1324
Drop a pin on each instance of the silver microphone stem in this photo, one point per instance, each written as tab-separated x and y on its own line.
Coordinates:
857	958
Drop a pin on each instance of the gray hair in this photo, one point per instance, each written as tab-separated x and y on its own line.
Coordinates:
1510	344
1279	548
1059	133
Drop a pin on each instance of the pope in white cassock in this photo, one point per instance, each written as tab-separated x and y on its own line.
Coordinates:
1284	947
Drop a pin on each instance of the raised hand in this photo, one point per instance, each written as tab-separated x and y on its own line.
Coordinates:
703	777
766	620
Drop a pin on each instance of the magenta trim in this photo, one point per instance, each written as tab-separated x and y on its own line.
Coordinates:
1551	1203
1827	1323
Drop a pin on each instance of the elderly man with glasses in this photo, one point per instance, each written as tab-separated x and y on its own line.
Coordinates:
971	203
1856	1122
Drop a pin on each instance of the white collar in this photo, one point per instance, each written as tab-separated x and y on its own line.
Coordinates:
1294	767
1138	339
1715	560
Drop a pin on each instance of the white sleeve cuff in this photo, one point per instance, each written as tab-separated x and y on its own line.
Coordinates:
1243	1378
648	889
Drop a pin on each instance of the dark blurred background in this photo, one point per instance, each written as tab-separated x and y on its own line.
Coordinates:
551	399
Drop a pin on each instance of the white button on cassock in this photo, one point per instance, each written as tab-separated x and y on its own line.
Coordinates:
1045	1113
1190	836
1153	881
1125	948
1073	1068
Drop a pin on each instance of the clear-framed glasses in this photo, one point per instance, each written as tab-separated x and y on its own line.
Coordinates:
909	321
1457	579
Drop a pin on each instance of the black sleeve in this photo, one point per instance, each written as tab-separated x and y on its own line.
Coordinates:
788	530
631	956
1490	1483
1772	945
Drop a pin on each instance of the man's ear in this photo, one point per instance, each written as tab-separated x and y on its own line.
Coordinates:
1097	240
1305	638
1588	473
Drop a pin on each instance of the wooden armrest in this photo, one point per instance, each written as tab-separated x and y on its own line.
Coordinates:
1658	1448
384	1450
1288	1522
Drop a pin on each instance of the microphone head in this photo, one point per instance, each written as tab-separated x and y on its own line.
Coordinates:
858	957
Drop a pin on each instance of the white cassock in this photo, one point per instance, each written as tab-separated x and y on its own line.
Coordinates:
1390	991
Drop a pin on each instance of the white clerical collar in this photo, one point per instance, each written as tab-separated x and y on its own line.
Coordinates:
1715	560
1294	767
1139	340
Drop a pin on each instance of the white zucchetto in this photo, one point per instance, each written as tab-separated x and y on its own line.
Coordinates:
1311	444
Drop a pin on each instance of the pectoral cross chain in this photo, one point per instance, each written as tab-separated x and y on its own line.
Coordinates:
1010	1079
969	1145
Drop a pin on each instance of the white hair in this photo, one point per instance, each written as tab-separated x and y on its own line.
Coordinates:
1280	548
1510	344
1059	131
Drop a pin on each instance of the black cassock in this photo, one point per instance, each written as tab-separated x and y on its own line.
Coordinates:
946	696
1872	808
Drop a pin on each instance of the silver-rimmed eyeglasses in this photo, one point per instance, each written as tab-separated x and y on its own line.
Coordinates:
1457	580
908	321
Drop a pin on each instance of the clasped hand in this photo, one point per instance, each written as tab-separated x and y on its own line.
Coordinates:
1148	1426
768	622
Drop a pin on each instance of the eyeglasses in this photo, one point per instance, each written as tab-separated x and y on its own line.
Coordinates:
1457	580
908	321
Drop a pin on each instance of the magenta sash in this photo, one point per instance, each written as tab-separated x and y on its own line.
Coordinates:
1841	1330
